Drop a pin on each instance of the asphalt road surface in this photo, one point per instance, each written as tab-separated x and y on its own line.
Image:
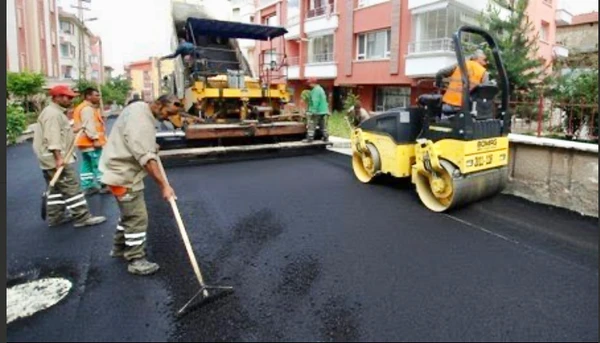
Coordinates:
313	255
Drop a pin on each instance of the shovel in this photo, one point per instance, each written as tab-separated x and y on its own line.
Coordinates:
57	175
203	287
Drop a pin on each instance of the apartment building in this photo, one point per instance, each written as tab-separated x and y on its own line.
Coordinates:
387	51
32	37
139	74
244	11
80	50
147	76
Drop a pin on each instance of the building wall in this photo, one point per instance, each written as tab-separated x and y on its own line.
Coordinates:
582	37
542	14
12	43
31	33
140	74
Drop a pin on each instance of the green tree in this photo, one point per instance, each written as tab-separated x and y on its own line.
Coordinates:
25	85
16	122
527	74
113	91
116	90
576	93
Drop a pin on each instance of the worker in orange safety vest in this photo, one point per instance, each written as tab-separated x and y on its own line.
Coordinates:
88	115
477	74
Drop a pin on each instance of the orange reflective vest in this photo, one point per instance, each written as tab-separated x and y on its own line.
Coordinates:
84	141
453	95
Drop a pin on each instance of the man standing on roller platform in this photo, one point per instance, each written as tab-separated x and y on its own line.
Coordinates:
52	139
130	154
88	116
317	112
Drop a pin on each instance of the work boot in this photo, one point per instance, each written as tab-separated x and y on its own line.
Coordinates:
67	218
142	266
307	140
92	220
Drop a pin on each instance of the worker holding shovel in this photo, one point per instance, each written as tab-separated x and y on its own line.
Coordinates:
129	155
52	140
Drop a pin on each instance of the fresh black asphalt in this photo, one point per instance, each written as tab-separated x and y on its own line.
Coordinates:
312	255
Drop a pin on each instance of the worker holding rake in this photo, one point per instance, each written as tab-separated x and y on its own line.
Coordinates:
130	154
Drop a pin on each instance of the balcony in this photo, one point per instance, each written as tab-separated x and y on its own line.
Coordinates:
321	66
426	57
475	6
560	51
293	69
293	27
321	21
563	13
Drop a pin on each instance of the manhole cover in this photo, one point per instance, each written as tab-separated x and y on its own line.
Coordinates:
29	298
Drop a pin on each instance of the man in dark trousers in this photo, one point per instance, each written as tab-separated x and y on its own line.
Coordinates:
52	139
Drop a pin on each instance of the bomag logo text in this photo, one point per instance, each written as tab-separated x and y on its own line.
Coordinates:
488	143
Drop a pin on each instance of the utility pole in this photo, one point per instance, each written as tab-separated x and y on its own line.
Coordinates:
82	33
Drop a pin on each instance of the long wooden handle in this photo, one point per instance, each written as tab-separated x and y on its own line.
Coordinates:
186	240
67	159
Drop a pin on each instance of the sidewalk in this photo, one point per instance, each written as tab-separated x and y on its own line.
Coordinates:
340	145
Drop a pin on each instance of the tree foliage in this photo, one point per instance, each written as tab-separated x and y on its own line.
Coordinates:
576	93
113	92
16	122
24	84
527	74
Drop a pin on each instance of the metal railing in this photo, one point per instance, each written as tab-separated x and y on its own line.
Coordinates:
321	11
321	58
576	119
431	45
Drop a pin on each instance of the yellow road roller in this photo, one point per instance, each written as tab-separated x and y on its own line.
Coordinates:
453	155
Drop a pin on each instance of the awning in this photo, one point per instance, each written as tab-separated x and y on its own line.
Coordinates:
228	29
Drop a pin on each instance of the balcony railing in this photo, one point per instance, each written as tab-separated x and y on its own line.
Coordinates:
291	21
431	45
321	58
317	12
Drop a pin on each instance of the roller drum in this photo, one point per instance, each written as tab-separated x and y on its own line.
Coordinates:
465	188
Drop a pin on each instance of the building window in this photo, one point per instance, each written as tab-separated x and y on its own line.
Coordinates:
67	72
95	59
387	98
364	3
320	49
318	8
374	45
67	27
545	31
65	50
271	20
432	31
95	75
293	12
235	16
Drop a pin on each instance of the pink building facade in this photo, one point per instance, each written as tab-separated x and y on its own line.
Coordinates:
32	37
386	51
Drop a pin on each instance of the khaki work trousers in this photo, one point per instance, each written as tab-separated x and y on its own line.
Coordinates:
315	120
66	195
130	236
